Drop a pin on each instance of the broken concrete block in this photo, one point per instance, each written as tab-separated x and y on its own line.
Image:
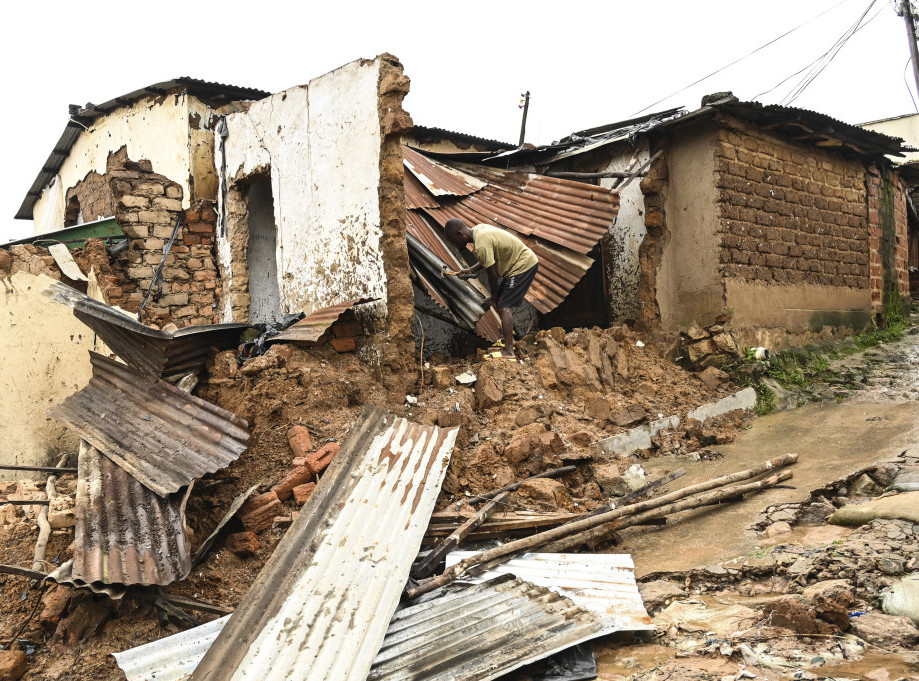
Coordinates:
610	480
12	665
744	399
300	441
441	377
243	544
303	492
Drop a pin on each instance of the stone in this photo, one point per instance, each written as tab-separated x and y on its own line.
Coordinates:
892	565
546	492
725	343
626	416
598	408
700	349
825	589
525	417
303	492
441	378
659	593
777	529
243	544
489	389
61	513
12	665
712	377
885	631
696	333
581	438
815	513
864	486
54	606
903	598
523	443
551	443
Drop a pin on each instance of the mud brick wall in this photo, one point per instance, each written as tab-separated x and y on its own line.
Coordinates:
89	200
28	258
147	206
888	238
790	214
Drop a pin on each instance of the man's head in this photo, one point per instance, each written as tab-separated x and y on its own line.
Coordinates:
458	232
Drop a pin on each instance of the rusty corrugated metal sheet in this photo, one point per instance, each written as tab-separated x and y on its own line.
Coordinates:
474	634
416	194
126	534
312	327
603	583
158	352
559	269
163	436
320	607
437	178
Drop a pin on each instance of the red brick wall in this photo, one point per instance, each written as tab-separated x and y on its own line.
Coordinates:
789	213
888	238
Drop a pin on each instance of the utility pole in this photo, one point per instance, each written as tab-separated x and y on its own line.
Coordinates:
523	124
906	11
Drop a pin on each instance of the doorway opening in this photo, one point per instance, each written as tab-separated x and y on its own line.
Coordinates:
262	259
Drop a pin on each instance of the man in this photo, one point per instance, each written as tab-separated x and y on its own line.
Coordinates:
509	266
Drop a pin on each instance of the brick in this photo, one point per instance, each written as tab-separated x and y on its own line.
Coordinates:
200	227
319	460
130	201
167	203
303	492
243	544
174	191
155	217
296	477
300	442
257	514
204	275
345	344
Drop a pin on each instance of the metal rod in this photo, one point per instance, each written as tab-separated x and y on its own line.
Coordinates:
25	502
554	473
38	469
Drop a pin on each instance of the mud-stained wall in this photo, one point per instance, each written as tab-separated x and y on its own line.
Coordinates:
43	359
690	288
322	142
154	128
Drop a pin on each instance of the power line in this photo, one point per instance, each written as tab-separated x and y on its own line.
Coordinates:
749	54
905	68
832	52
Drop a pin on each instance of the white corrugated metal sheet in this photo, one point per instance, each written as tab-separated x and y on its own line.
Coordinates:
475	634
322	603
603	583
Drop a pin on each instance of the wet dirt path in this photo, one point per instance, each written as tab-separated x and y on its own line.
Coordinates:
833	439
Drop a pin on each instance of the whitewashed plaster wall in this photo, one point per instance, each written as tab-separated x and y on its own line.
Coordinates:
43	359
322	143
904	127
626	236
150	129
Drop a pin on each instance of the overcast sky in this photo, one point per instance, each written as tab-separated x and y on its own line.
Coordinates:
585	63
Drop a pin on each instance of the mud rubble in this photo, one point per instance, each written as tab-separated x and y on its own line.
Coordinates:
516	419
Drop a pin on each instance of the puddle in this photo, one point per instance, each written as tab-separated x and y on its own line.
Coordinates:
874	666
832	440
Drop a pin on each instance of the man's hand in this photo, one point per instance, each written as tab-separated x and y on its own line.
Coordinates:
488	302
467	273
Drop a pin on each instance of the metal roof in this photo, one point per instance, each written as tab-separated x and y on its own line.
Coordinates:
437	178
126	534
158	352
163	436
426	134
205	90
322	603
603	583
314	325
475	634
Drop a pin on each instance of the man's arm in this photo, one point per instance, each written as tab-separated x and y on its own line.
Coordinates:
494	281
470	272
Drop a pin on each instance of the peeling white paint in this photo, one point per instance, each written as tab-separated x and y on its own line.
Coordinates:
151	129
626	237
322	143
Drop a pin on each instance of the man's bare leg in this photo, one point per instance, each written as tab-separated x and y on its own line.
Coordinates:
507	326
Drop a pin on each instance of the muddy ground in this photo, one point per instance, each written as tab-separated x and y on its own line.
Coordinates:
568	391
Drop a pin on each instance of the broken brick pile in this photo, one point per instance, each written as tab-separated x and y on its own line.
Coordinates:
267	510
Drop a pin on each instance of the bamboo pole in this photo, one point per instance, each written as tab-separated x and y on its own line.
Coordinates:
580	525
430	562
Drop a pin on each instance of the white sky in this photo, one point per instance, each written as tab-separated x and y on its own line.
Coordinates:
585	63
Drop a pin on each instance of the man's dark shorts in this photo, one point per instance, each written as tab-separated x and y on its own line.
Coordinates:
512	290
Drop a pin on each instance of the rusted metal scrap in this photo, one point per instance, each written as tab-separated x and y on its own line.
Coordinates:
163	436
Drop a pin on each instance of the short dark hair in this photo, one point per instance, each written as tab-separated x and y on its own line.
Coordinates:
453	227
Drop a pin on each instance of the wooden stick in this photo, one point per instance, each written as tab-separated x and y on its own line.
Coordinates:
44	527
578	526
195	604
25	502
554	473
21	572
635	173
709	499
640	492
38	469
430	562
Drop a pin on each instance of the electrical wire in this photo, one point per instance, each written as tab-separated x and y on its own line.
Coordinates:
824	60
906	82
740	59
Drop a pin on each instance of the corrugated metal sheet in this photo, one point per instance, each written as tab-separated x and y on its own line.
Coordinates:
427	134
77	124
126	534
416	194
603	583
439	179
64	575
321	604
163	436
474	634
158	352
312	327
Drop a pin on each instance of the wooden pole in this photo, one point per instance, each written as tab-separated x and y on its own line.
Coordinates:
37	469
554	473
907	13
430	562
523	122
580	525
44	527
